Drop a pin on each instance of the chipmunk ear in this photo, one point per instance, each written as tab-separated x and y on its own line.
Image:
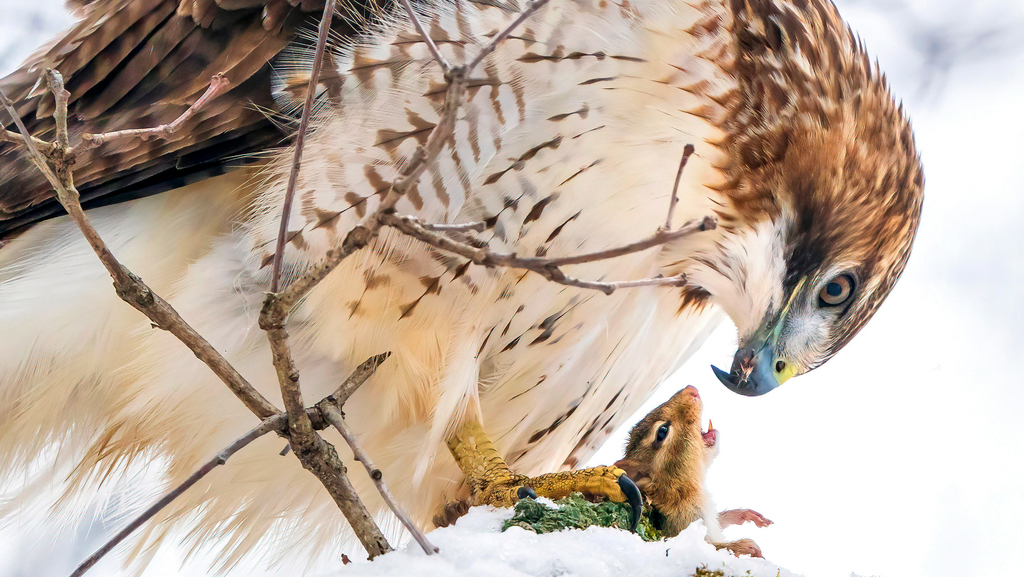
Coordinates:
635	470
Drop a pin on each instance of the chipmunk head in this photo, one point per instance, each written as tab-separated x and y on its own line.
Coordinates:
668	452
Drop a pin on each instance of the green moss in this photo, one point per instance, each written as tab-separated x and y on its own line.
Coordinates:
575	512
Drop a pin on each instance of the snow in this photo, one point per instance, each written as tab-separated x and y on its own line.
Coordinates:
476	547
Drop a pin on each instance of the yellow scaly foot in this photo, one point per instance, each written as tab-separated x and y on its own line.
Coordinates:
491	482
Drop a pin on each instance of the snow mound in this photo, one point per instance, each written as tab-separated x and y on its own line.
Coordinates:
476	547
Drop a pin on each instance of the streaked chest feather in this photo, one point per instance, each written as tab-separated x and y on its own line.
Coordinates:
568	142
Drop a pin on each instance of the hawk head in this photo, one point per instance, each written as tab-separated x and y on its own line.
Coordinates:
823	197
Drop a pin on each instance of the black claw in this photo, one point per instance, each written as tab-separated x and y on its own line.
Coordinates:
526	493
632	493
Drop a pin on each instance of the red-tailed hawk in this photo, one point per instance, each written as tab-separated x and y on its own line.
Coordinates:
568	142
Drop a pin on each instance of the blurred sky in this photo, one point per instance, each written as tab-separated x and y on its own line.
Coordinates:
904	455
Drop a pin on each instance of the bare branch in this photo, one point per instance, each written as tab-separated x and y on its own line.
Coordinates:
300	427
277	423
15	138
274	423
425	155
687	151
549	268
333	416
315	454
356	239
60	111
32	144
468	227
445	66
677	280
658	238
362	235
357	378
328	468
218	85
532	7
129	287
300	141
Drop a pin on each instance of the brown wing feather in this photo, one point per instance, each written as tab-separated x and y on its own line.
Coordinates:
140	63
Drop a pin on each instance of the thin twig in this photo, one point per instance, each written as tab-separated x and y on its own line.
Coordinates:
445	66
358	377
300	141
361	235
687	151
218	85
425	155
60	110
549	268
333	416
300	427
14	137
528	11
658	238
468	227
355	240
316	455
129	287
32	145
274	423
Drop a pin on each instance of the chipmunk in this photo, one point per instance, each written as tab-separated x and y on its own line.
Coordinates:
667	456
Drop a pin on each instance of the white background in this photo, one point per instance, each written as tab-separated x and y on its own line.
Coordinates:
904	455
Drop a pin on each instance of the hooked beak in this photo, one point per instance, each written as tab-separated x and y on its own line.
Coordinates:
757	367
755	371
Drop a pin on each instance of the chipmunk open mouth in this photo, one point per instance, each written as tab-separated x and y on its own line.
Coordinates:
711	436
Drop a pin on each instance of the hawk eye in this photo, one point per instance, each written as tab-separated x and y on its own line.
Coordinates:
659	437
836	292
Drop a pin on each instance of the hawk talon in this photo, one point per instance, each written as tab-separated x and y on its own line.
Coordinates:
632	493
525	493
491	482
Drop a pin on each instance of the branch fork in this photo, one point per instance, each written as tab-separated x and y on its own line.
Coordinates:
277	423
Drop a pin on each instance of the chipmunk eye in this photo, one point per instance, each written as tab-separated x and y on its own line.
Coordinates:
659	437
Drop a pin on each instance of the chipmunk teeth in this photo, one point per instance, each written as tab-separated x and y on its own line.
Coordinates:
710	426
